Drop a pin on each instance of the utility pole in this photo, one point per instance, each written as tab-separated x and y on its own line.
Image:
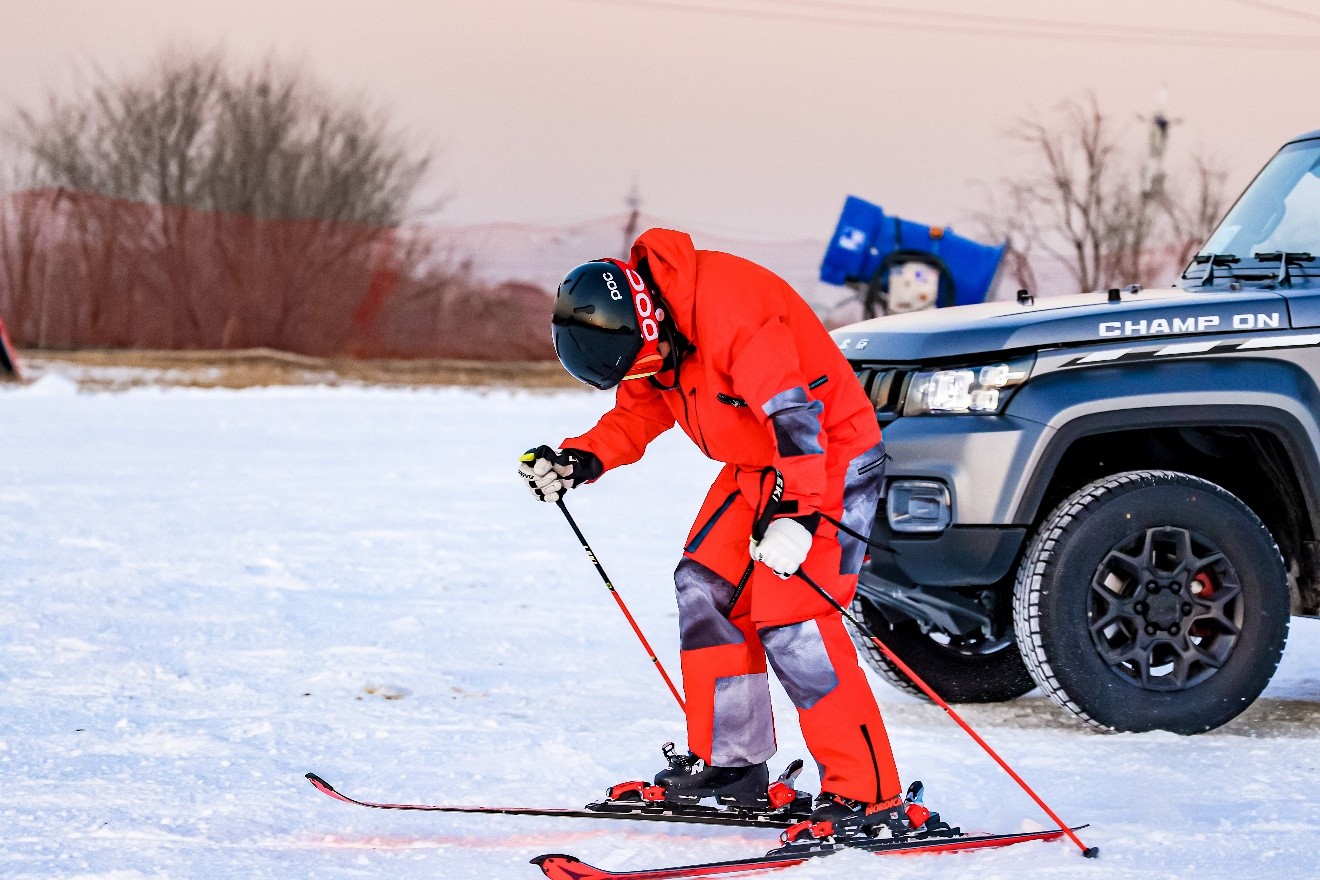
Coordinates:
634	203
1157	143
1153	193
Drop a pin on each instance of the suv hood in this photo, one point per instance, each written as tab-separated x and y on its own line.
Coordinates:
951	333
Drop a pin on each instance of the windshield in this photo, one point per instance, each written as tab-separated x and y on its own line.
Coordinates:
1280	211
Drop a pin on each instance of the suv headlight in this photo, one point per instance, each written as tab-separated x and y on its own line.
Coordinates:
976	390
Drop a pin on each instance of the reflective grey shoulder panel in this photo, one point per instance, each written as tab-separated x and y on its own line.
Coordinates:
796	419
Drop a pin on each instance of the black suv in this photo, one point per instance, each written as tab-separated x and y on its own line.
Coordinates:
1112	496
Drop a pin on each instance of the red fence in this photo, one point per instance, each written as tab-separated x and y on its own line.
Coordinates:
79	270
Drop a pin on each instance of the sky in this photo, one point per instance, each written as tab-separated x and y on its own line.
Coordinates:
755	121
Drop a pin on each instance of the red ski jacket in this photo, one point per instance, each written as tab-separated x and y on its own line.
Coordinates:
764	385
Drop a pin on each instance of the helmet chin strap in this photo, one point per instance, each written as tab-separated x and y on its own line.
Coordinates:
678	344
678	349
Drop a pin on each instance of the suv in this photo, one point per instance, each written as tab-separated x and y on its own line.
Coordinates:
1112	496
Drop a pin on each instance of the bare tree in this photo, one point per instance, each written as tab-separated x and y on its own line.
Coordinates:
1073	209
1009	221
268	142
261	175
1086	206
1197	206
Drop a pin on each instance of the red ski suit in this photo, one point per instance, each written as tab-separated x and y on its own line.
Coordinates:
763	386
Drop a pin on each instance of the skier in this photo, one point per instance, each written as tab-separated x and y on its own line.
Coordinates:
730	352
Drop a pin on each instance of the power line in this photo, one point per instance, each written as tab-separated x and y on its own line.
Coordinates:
1008	20
1278	9
1202	39
1014	26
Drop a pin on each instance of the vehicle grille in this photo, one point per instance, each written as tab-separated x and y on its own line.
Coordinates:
885	387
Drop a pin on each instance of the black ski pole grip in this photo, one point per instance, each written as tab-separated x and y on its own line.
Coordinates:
771	506
759	525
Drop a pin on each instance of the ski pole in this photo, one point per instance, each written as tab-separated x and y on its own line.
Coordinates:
650	652
1089	852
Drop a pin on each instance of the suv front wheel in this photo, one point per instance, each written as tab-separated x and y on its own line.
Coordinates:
1152	600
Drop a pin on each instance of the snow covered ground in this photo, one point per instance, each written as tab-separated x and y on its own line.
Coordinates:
204	594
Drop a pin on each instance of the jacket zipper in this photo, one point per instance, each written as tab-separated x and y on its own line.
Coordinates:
700	536
875	765
687	414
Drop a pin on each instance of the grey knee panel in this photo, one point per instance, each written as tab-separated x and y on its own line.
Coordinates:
798	655
703	598
744	729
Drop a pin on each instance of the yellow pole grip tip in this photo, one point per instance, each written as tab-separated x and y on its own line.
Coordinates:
528	456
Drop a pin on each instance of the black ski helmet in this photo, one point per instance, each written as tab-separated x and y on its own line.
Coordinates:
595	327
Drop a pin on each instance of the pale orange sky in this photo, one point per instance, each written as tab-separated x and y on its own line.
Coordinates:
547	110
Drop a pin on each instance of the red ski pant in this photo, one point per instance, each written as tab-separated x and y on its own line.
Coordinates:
728	636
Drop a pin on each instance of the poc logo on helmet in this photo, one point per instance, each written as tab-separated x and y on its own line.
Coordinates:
646	312
613	285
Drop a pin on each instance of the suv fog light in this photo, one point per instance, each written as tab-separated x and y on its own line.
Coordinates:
919	506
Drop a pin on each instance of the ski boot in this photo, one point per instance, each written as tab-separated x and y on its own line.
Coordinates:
845	820
688	779
744	790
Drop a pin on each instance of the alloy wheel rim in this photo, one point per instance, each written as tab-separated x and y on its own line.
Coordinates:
1165	609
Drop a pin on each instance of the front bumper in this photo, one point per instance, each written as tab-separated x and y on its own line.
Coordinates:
983	460
928	579
961	556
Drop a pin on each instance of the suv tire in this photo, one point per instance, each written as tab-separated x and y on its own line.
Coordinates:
959	674
1152	600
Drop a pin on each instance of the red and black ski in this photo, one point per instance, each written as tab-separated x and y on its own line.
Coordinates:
564	867
649	811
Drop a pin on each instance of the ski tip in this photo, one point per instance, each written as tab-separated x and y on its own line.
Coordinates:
559	866
322	786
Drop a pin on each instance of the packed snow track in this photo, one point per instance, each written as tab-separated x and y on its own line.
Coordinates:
205	594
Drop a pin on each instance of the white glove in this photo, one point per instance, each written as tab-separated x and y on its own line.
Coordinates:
784	547
546	483
551	472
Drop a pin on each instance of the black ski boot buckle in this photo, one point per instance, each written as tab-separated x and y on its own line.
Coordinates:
676	761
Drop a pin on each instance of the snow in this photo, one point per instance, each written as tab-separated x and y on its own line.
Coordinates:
205	594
